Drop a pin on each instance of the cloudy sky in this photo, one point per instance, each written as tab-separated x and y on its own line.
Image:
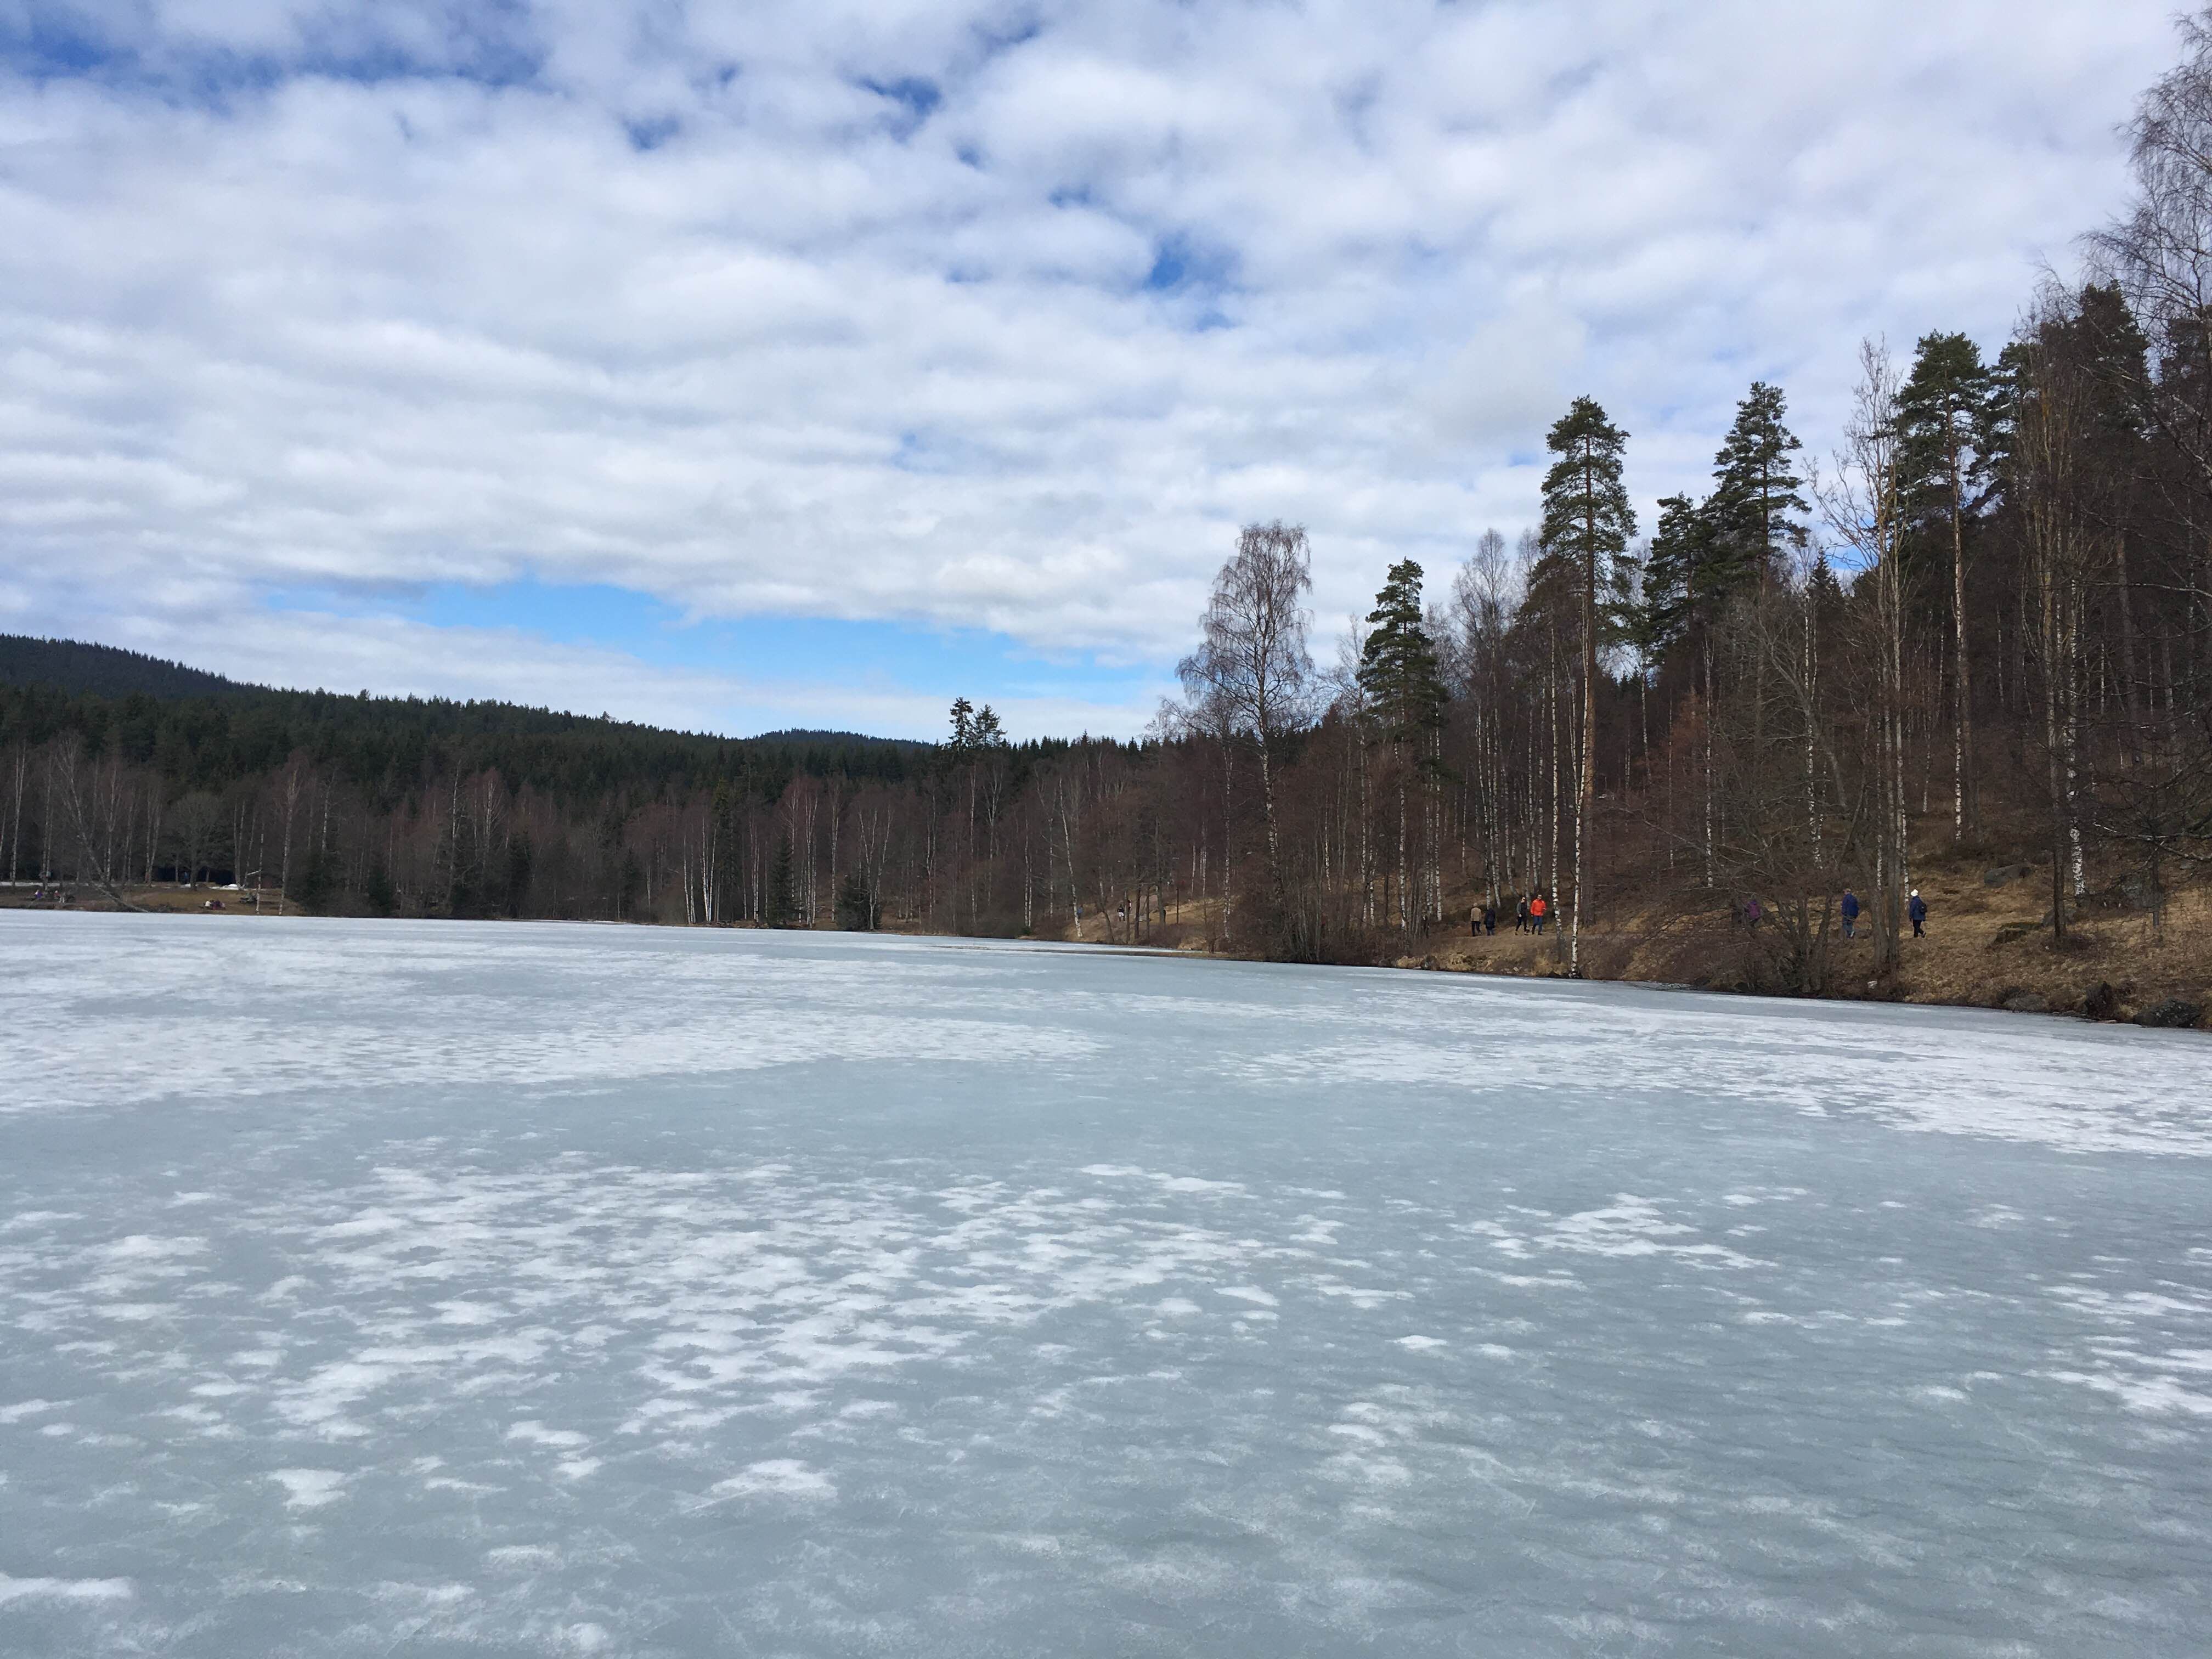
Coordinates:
755	365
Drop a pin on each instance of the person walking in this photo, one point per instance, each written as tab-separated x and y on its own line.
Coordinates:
1490	920
1916	909
1850	908
1520	917
1539	910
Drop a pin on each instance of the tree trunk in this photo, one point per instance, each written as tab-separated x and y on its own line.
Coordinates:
1586	780
1962	715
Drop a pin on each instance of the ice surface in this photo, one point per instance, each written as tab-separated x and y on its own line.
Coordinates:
388	1288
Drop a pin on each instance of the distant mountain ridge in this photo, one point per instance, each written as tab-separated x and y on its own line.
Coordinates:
80	667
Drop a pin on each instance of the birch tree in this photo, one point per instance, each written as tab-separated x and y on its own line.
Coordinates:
1252	664
1865	510
2053	410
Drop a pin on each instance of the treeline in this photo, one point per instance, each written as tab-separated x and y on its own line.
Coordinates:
382	806
1982	629
366	806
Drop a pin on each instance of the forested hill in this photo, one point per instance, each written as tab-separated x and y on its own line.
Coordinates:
202	732
106	670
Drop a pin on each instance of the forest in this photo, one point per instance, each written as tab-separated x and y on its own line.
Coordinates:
1981	629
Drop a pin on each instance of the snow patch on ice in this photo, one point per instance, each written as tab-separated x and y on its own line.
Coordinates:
1629	1226
775	1477
2152	1394
1965	1079
537	1434
309	1489
64	1589
1166	1183
671	1015
522	1558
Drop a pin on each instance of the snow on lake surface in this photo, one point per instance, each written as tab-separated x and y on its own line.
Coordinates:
391	1288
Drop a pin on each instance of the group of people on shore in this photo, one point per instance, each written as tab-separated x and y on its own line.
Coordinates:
1531	915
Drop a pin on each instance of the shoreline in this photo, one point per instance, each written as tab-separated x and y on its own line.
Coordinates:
2006	974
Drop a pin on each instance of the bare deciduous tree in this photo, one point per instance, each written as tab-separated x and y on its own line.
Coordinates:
2066	546
1863	510
1252	669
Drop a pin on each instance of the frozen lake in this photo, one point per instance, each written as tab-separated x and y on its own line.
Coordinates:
397	1289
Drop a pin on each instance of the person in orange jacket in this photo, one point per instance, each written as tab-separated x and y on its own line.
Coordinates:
1539	910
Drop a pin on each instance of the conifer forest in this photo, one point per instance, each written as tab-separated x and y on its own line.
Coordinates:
1981	627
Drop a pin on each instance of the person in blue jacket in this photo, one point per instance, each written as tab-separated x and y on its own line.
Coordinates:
1916	909
1850	909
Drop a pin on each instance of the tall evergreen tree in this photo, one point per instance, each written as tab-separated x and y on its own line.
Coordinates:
974	731
1943	412
1405	688
1588	525
782	887
1398	665
1588	521
977	733
1670	566
1755	493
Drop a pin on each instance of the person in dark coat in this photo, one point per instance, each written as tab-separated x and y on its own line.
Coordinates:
1520	918
1850	908
1916	907
1490	918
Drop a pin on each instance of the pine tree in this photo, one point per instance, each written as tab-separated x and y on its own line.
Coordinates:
1404	689
1677	553
1588	523
856	911
783	888
1398	666
1942	411
1756	492
977	733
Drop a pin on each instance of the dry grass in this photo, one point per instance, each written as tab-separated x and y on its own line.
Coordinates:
1985	946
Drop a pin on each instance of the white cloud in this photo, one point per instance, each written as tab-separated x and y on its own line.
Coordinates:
329	294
